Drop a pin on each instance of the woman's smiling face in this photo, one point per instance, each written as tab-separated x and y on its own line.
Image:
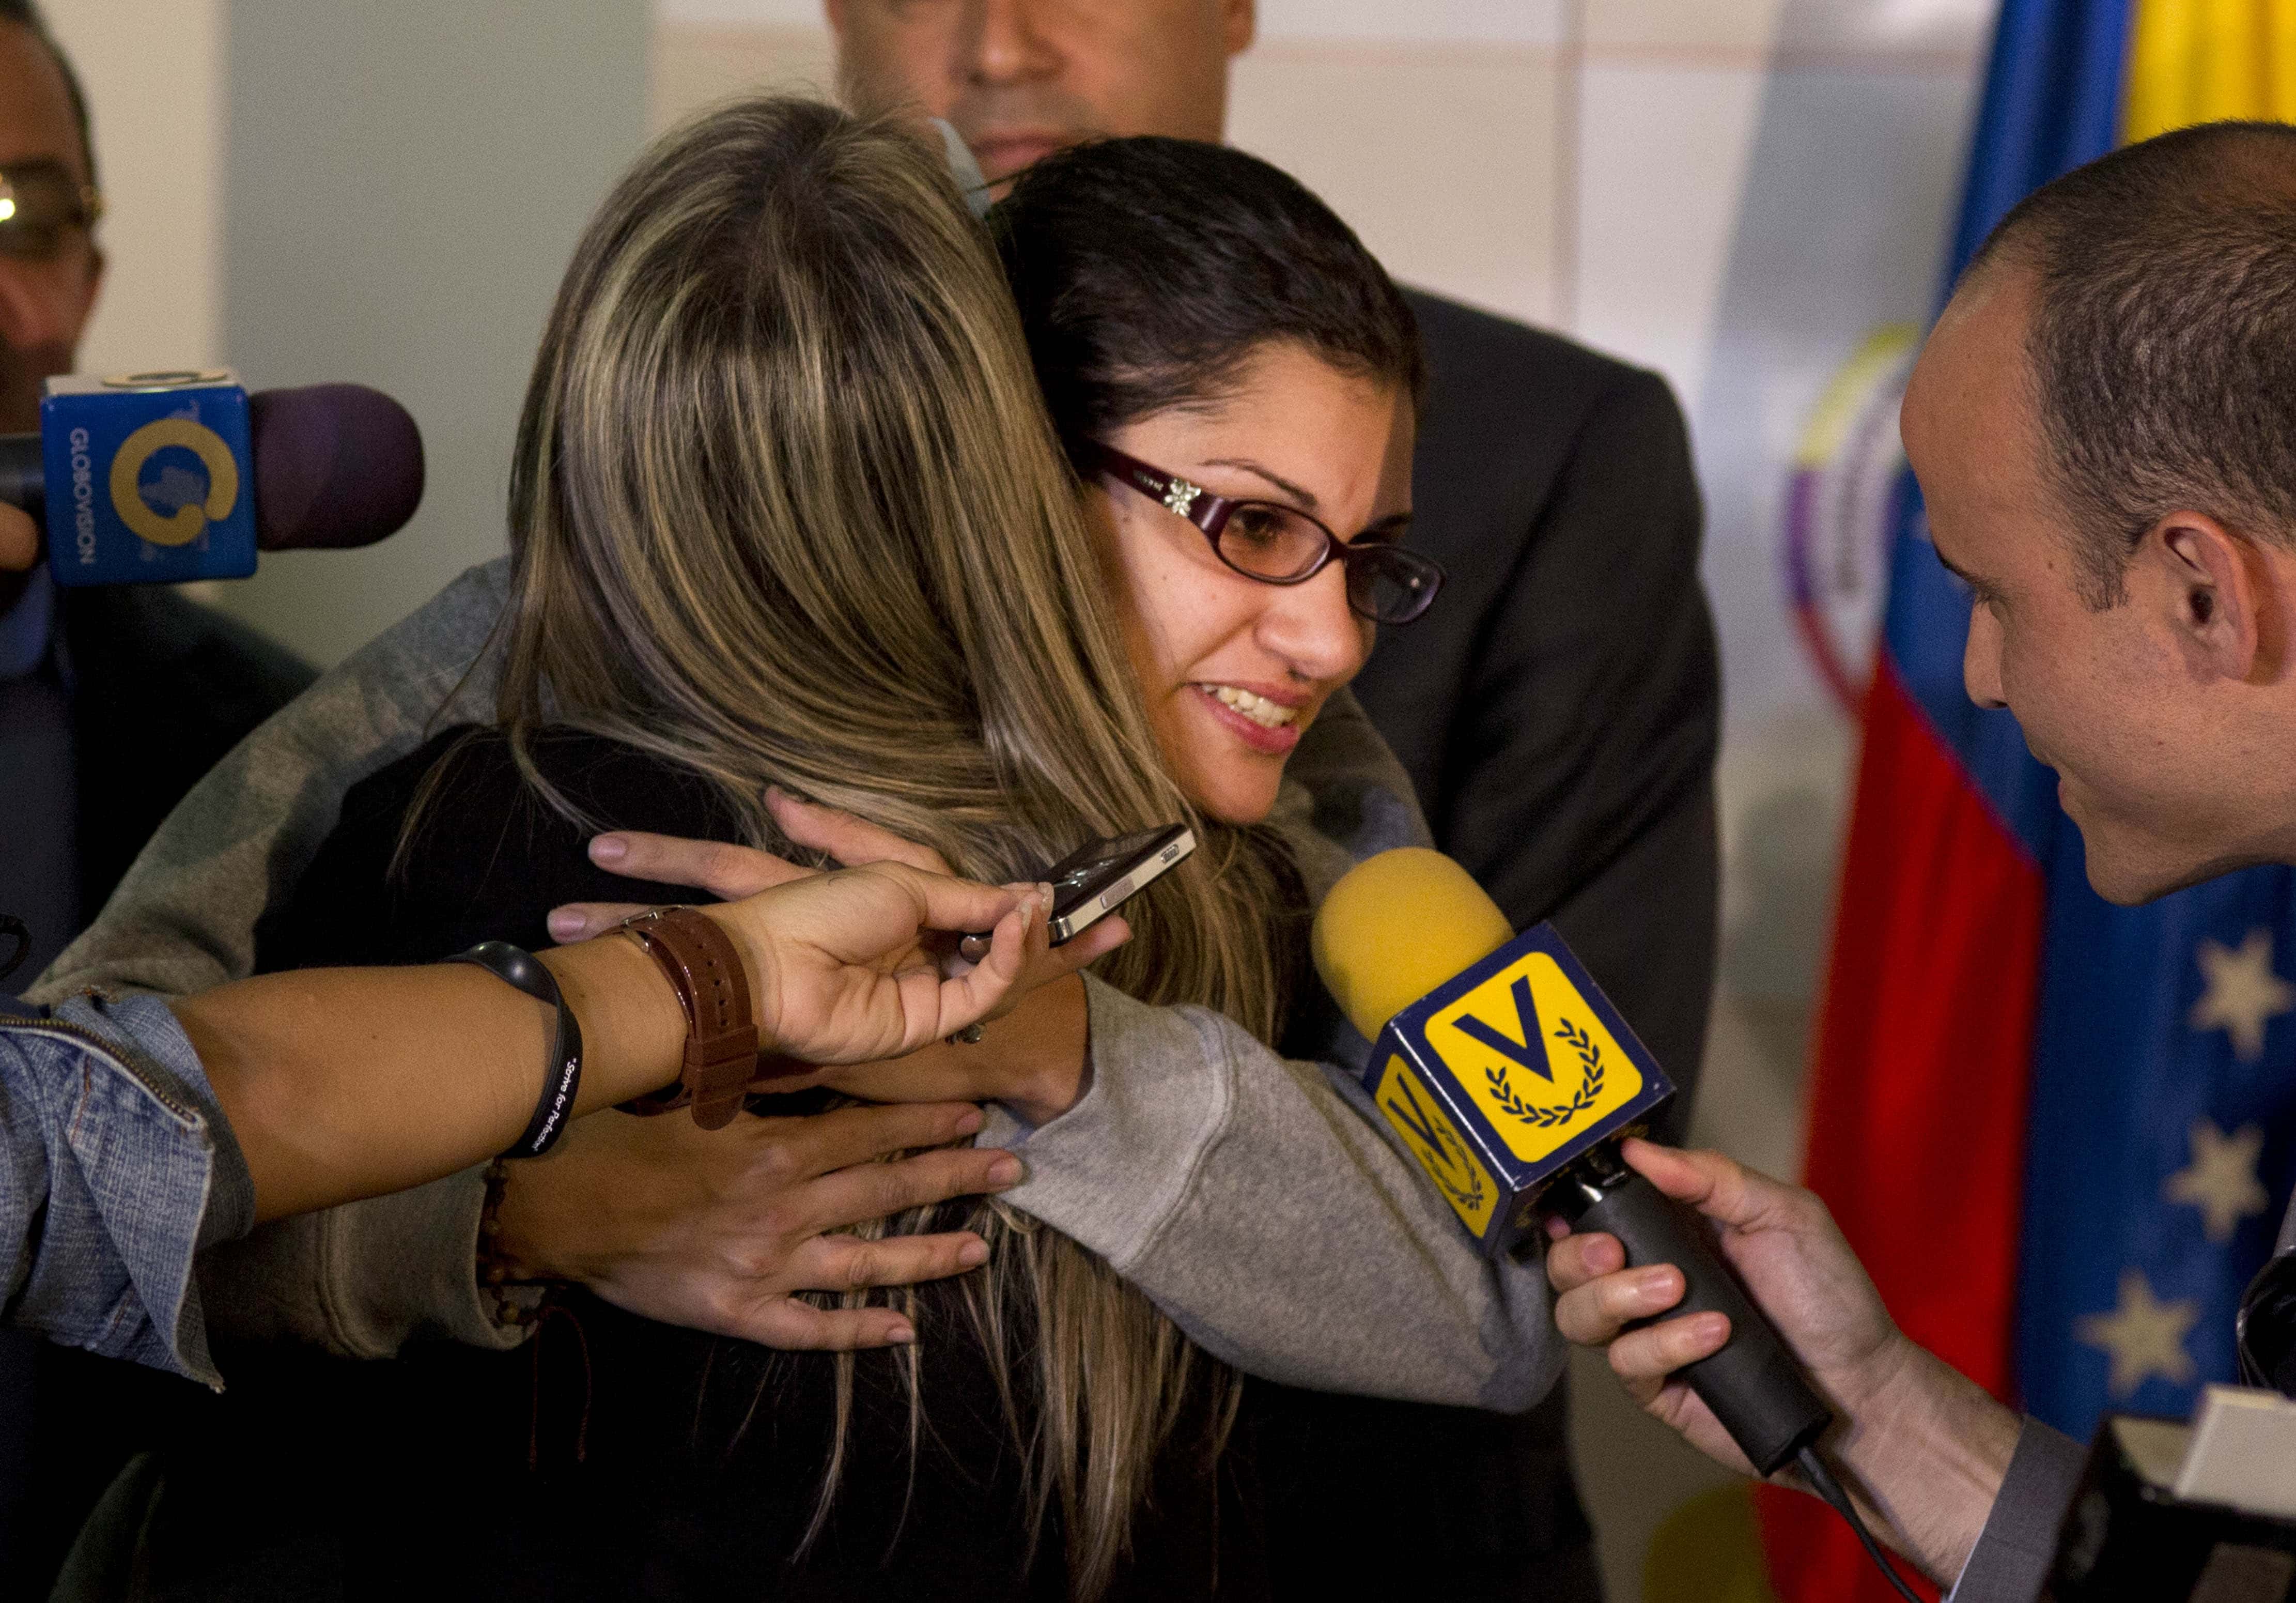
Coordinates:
1234	669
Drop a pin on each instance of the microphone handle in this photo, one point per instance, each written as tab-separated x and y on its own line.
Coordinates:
1753	1384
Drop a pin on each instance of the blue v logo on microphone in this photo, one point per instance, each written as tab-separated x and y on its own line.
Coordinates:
1562	1070
1435	1141
1527	1051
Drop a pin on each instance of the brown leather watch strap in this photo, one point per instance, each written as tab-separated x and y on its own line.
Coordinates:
721	1038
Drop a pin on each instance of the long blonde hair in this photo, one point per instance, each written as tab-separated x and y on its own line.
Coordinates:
786	508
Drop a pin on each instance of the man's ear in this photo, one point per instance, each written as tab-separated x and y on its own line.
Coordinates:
2222	595
833	13
1239	24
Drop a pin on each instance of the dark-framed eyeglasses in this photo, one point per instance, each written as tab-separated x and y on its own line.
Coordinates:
41	206
1280	545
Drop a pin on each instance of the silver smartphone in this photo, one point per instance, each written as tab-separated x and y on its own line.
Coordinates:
1094	881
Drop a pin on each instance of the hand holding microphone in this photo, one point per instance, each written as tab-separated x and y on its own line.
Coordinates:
1507	1074
1779	1241
1929	1442
1513	1080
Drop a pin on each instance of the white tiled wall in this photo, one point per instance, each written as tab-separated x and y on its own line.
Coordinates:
1468	202
154	76
1654	228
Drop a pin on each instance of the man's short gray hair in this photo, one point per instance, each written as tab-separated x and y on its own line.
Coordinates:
2164	340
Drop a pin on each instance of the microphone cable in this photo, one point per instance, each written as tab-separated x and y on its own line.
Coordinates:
1830	1489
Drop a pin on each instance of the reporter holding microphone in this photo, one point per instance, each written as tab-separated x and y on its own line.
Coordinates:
133	1133
2103	424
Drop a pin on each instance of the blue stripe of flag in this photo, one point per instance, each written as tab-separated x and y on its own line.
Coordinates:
2052	101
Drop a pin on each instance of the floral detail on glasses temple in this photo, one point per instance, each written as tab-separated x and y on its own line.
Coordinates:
1179	495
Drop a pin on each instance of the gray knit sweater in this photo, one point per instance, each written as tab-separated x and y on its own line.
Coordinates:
1256	1200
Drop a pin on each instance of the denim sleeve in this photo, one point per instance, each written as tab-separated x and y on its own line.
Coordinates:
357	1280
116	1168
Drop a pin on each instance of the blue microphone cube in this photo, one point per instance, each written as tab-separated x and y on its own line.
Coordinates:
1499	1078
149	478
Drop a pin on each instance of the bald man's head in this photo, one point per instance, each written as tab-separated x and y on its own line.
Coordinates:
2160	336
2103	424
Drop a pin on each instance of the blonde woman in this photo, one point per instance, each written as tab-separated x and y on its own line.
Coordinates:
788	513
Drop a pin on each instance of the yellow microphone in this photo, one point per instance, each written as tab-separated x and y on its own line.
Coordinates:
1505	1070
1498	1060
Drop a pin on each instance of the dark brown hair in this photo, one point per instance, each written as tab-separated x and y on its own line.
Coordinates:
2162	347
1149	270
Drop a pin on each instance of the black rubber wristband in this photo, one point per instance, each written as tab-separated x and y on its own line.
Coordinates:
517	967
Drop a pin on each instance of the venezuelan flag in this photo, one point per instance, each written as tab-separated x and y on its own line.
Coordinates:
2057	1131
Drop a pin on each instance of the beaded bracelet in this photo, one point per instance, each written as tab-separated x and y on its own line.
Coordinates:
516	967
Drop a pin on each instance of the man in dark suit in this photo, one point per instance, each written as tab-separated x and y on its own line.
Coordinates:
1558	713
112	702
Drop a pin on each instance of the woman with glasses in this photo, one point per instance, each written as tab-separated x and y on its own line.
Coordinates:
1236	381
788	516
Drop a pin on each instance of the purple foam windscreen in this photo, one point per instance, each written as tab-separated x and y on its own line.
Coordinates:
336	465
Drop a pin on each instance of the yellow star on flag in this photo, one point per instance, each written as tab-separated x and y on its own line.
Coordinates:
2243	994
2143	1336
2221	1180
